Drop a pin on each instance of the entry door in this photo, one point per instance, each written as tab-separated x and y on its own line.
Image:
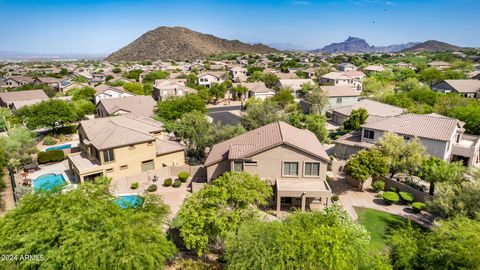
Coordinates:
148	165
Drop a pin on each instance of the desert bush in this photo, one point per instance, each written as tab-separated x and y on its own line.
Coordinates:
49	140
167	182
152	188
418	207
177	183
134	185
390	197
378	185
183	176
407	197
335	198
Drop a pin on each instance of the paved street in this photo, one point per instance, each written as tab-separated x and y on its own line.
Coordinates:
226	115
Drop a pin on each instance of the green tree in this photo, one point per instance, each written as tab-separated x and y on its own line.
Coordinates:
83	107
217	91
259	114
155	75
318	101
48	114
470	114
308	87
312	240
5	113
80	79
117	70
85	222
85	93
173	108
365	164
355	119
256	76
134	87
455	244
283	98
456	199
401	156
210	214
239	91
133	74
17	146
270	79
194	128
435	170
317	124
431	76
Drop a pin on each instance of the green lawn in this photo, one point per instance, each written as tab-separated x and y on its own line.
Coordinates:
380	225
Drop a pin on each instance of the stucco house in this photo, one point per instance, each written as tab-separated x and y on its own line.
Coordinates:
440	65
16	81
443	137
138	105
257	90
165	88
374	109
291	160
347	67
104	91
374	68
239	74
8	99
353	79
341	95
207	79
121	146
468	88
294	84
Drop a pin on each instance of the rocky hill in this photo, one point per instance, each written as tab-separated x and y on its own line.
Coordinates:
180	43
432	46
358	45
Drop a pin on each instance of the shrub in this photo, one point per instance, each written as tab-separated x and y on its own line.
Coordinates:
407	197
2	183
49	140
134	185
335	198
183	176
378	185
152	188
394	189
167	182
390	197
418	207
50	156
177	183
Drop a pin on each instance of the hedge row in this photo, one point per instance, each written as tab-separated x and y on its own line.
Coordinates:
50	156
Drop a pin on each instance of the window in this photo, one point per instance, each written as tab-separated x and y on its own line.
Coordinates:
458	138
312	168
123	167
148	165
407	138
250	163
290	168
109	170
238	166
339	100
368	134
108	155
149	143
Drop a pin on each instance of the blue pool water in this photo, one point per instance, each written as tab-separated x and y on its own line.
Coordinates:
48	182
127	201
59	147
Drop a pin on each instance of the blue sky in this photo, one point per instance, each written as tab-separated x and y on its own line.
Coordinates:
103	26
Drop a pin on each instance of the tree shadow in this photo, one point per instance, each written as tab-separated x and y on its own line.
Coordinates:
380	202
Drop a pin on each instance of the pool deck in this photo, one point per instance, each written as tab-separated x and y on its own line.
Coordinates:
56	168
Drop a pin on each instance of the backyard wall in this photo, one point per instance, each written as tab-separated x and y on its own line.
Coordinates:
419	195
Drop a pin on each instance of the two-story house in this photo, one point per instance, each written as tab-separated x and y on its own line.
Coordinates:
292	160
121	146
467	88
443	137
104	91
138	105
352	79
207	79
294	84
347	67
239	74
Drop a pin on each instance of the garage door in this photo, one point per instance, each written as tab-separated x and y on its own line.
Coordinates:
148	165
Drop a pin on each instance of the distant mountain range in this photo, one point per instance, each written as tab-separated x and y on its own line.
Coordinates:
21	56
287	46
358	45
181	43
432	46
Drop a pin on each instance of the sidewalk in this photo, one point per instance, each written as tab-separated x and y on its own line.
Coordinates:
6	196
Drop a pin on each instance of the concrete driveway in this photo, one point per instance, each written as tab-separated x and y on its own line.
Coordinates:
225	115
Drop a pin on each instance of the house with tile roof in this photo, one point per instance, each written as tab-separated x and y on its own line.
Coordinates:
121	146
352	78
8	99
294	84
374	109
257	90
137	105
291	160
165	88
443	137
468	88
104	91
209	78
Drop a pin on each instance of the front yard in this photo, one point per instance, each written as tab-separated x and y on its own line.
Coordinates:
380	225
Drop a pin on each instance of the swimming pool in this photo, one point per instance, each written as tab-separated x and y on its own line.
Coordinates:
127	201
59	147
48	182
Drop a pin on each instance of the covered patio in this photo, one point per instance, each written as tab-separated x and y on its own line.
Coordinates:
315	193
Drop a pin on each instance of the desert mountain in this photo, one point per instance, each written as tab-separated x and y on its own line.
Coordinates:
433	46
358	45
181	43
